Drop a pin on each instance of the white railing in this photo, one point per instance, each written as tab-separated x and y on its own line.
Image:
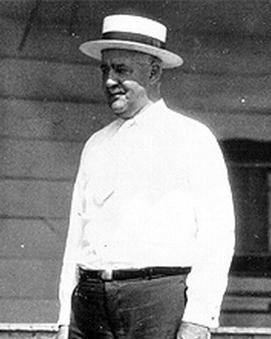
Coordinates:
221	332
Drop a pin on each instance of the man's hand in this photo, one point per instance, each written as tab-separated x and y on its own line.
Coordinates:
63	332
193	331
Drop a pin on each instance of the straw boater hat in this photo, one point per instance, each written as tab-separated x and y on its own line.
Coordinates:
133	33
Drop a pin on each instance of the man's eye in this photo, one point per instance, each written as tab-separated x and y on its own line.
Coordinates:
104	69
122	70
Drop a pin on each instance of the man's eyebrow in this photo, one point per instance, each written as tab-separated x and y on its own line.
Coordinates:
119	65
103	65
113	65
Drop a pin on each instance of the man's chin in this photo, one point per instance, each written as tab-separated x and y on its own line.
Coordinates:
118	109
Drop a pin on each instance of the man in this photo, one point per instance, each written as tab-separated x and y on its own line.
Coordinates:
151	231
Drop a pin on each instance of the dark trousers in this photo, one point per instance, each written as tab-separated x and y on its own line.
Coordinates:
130	309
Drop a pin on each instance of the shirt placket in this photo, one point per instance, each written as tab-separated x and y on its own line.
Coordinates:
119	151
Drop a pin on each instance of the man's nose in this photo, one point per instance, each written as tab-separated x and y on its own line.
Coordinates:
111	79
110	82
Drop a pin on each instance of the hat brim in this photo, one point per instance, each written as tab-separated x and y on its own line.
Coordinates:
94	49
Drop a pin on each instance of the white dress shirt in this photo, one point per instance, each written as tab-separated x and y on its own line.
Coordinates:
153	191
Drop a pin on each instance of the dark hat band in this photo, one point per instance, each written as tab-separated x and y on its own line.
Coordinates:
133	37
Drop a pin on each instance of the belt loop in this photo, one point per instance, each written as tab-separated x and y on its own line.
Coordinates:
149	272
107	275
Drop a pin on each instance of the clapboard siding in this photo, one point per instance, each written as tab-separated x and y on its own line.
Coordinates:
39	159
204	92
243	285
200	50
28	310
52	42
58	121
38	278
245	319
50	80
66	121
34	198
42	238
236	125
246	304
40	149
218	93
76	122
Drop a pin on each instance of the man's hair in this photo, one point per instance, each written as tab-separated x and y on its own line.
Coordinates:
154	59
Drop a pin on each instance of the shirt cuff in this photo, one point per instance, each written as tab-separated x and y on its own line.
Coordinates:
204	316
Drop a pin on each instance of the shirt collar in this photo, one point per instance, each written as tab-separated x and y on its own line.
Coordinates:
147	113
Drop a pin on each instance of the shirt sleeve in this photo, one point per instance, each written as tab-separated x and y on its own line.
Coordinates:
68	277
212	198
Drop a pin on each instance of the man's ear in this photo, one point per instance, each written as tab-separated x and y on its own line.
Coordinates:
155	71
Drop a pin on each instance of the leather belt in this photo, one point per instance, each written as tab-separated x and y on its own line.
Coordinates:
126	274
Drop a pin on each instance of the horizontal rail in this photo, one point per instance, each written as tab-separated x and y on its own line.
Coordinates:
25	327
52	327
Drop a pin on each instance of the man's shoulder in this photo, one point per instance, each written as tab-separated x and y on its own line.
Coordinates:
181	120
189	134
102	134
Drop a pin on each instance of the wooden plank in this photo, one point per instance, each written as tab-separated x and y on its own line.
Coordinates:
245	304
238	336
28	330
26	198
243	319
233	125
52	120
28	311
239	330
227	54
251	284
29	278
203	51
32	238
39	159
49	42
201	92
203	15
205	93
218	93
25	327
50	80
76	122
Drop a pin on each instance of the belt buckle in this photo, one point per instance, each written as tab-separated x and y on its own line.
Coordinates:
107	275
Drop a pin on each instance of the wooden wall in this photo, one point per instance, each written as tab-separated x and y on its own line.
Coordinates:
51	102
48	108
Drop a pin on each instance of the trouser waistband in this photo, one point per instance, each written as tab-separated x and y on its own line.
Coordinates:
126	274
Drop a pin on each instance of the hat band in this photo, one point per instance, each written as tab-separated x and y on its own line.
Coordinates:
133	37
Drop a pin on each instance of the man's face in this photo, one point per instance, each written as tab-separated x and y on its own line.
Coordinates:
126	80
